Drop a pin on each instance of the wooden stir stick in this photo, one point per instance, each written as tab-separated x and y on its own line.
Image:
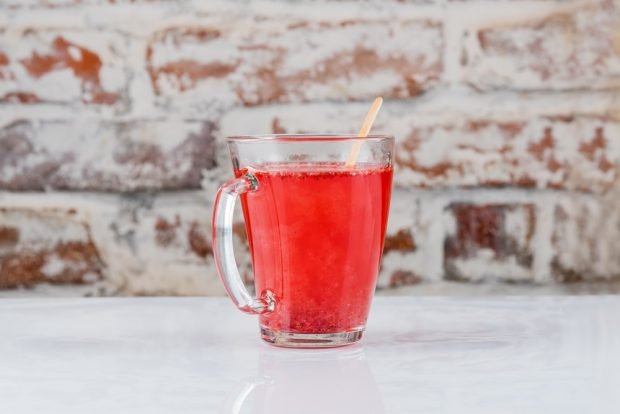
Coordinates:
363	132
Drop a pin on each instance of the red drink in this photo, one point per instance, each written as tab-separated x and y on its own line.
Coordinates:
316	234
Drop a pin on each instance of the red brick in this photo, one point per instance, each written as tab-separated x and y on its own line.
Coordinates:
165	231
401	241
412	250
134	244
104	156
48	247
490	241
199	241
295	60
573	152
63	67
8	236
578	48
586	238
403	278
184	232
160	245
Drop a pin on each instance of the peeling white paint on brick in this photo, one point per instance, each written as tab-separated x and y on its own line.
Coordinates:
42	229
420	213
566	50
85	154
485	267
124	228
292	60
59	84
587	236
125	237
500	149
138	263
53	266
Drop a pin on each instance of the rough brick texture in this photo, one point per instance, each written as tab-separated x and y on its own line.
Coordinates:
158	245
492	240
113	118
586	239
116	245
73	67
513	145
104	156
46	246
575	153
577	47
296	60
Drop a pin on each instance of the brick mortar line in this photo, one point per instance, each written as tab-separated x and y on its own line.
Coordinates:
469	12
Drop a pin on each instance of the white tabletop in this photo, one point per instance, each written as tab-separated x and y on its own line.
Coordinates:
420	355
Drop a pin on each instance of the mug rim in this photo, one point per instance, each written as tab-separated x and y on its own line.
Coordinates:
306	137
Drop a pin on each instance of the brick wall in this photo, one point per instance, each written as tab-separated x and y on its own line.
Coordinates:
113	115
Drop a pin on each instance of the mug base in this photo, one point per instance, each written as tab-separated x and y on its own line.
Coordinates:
298	340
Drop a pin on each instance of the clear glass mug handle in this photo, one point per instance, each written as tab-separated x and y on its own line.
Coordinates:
223	253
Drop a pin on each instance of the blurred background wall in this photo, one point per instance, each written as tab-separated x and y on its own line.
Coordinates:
113	116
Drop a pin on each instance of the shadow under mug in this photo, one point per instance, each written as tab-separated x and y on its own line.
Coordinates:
316	227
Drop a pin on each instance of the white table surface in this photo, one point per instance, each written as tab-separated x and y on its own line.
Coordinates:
420	355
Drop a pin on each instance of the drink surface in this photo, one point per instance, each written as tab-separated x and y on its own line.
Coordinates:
316	235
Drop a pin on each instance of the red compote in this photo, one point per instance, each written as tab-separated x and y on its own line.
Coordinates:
316	234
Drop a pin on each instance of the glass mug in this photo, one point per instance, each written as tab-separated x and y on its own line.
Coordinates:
316	229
